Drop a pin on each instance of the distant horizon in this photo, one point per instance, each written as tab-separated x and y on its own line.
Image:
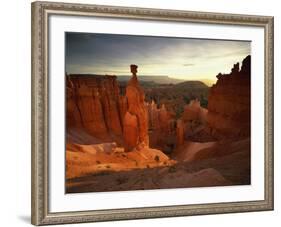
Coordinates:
207	82
176	58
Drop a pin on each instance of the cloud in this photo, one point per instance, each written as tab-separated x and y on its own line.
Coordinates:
178	57
188	64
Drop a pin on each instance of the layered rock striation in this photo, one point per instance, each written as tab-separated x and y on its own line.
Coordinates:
191	122
94	103
160	119
161	127
229	102
194	112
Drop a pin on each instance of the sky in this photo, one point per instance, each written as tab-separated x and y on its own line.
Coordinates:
181	58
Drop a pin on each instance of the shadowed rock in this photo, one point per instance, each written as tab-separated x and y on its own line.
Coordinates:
229	102
180	133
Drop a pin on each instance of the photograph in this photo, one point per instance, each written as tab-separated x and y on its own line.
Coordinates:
143	113
156	112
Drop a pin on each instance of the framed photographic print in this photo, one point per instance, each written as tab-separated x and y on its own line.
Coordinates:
145	113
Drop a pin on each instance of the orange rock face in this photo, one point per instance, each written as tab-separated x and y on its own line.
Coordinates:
194	112
159	119
131	131
123	106
110	100
193	119
162	127
136	108
93	103
180	133
153	118
165	119
229	101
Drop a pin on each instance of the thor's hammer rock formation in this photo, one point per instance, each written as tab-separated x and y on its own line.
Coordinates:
135	131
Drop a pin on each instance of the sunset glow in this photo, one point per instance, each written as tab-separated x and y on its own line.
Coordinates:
181	58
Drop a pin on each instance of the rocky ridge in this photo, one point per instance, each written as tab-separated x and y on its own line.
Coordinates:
229	102
94	104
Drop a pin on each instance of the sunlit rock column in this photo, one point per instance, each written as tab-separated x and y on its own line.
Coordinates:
136	118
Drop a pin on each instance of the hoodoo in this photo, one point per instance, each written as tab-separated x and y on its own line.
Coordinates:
136	117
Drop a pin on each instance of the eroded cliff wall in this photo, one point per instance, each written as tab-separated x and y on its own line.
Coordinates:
229	101
94	103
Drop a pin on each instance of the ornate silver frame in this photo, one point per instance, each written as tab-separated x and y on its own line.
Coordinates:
40	194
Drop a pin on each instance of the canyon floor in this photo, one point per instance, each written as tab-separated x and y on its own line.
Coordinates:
106	167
